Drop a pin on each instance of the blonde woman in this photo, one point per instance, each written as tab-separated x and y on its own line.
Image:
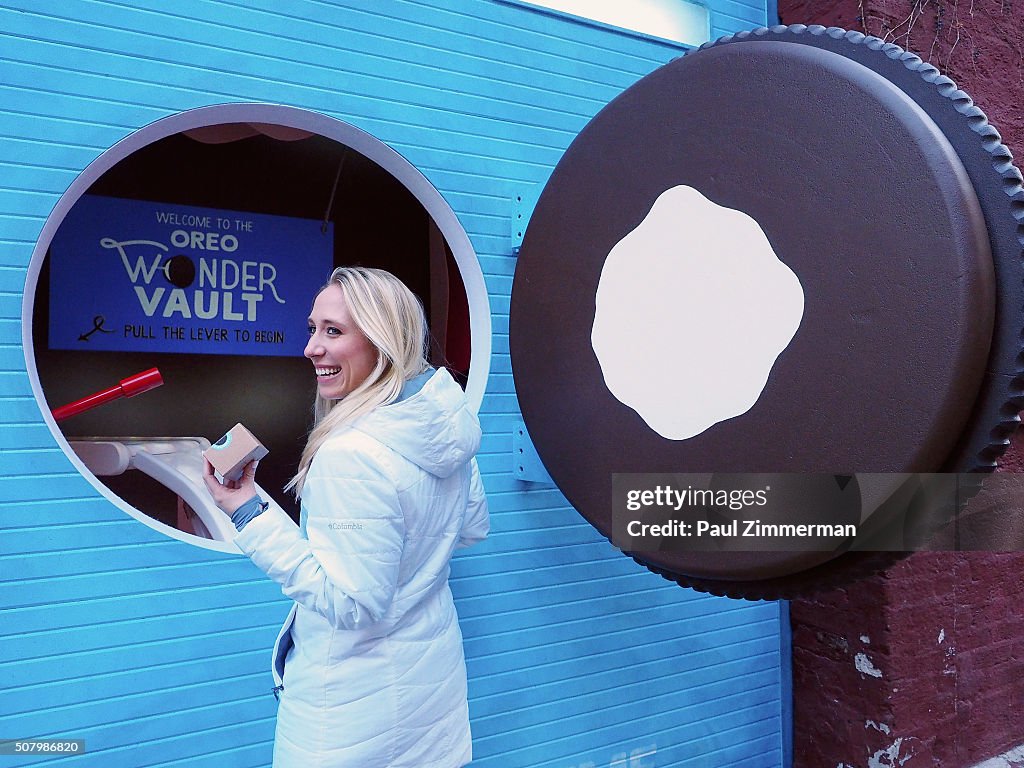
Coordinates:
369	664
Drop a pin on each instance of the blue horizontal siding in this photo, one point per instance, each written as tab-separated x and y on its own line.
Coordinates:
19	409
41	461
604	650
12	354
86	560
13	383
72	666
135	606
69	511
155	651
183	575
168	678
740	15
49	644
15	436
150	740
206	693
545	746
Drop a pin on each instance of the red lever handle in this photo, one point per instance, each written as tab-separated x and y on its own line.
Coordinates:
133	385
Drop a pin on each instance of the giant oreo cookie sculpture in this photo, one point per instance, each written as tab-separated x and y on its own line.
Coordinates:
793	252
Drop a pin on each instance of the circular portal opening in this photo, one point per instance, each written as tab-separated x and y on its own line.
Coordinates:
195	246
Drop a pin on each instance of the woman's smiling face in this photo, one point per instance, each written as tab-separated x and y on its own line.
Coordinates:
342	356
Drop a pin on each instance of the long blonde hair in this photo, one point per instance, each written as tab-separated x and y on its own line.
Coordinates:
391	317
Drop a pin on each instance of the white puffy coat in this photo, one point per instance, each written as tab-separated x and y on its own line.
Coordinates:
371	656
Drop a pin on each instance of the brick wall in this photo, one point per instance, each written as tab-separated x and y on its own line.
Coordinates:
922	665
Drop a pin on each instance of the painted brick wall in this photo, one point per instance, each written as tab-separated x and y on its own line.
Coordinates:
156	651
923	665
919	667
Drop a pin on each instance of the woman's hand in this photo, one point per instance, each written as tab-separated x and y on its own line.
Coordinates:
231	495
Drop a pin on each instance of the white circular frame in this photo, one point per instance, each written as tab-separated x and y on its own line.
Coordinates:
291	117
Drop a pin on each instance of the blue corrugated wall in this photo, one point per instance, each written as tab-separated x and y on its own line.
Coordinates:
155	651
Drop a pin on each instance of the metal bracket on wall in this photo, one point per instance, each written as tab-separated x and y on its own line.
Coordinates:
526	463
523	202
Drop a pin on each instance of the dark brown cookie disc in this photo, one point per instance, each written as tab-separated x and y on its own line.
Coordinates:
861	194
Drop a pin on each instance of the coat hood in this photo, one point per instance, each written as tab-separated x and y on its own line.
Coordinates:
433	427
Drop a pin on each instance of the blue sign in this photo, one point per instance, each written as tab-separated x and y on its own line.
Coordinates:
139	276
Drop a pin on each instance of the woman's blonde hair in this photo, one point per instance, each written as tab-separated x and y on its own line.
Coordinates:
391	317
